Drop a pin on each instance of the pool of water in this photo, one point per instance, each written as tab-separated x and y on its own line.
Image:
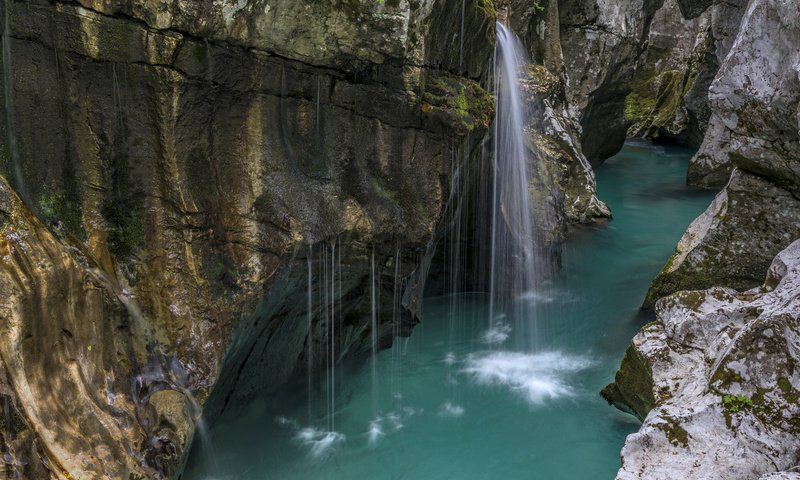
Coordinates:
456	401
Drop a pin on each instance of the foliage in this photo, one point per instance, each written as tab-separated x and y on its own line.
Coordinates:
735	403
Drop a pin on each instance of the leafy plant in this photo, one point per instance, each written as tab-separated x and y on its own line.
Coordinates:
735	403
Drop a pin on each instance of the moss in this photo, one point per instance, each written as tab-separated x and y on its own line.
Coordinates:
462	99
736	403
691	299
791	394
382	191
676	434
724	377
61	204
633	384
655	97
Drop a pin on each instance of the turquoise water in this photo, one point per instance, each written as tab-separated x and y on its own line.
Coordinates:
447	404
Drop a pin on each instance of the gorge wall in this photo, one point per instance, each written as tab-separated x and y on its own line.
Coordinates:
174	170
715	376
170	163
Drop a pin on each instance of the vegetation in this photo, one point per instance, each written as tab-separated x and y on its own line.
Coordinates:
735	403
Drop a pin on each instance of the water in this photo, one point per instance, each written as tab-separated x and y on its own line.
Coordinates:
513	267
461	406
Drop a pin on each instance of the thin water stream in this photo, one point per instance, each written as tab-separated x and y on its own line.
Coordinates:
451	404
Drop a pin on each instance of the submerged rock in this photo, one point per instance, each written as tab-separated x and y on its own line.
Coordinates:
722	368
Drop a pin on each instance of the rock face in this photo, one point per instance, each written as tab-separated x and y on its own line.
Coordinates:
601	42
668	99
754	128
669	94
754	124
750	220
178	160
189	177
720	370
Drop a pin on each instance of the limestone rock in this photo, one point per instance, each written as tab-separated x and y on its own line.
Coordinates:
693	8
750	220
723	370
601	41
567	191
669	91
755	123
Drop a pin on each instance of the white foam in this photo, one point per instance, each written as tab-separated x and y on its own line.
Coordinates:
321	442
537	376
496	334
375	431
451	410
391	421
536	297
450	358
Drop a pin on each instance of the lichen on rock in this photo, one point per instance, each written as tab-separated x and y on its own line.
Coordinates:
722	366
750	220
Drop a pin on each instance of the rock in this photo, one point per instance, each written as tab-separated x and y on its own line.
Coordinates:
750	220
177	160
724	375
84	418
755	124
601	41
781	476
693	8
668	98
566	188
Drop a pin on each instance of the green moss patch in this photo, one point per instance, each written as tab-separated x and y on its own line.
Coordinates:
463	100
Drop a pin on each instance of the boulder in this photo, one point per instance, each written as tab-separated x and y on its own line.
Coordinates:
722	368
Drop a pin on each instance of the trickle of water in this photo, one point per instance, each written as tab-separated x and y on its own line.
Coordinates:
310	337
461	38
513	266
332	335
374	333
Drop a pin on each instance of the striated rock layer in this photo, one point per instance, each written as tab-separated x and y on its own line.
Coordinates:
717	382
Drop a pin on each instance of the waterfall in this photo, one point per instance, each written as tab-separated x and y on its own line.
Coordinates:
8	104
512	268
